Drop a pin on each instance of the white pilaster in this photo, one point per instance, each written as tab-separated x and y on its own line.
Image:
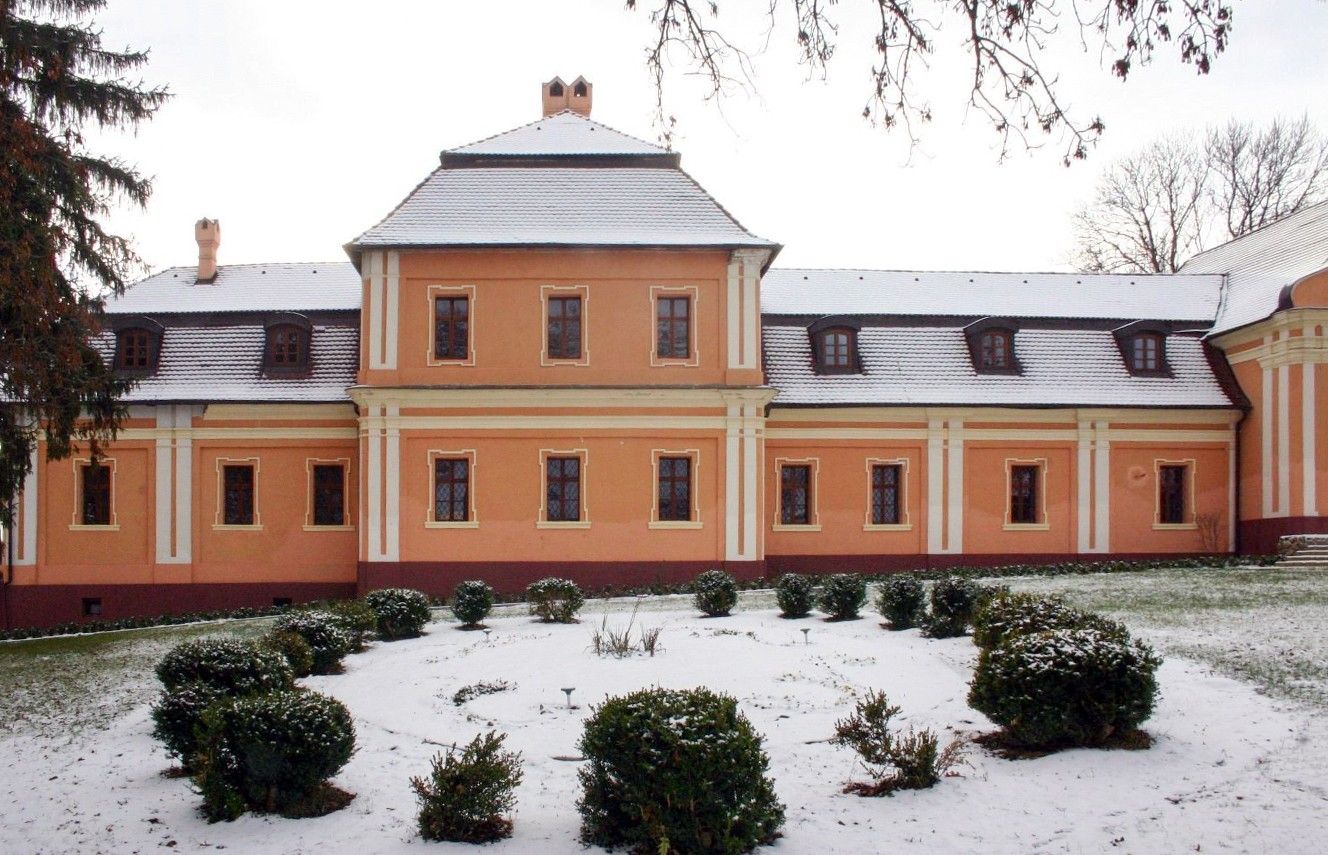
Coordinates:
174	487
1309	438
372	266
392	470
1266	439
750	461
732	471
1283	440
733	311
392	303
1084	492
26	554
184	486
373	476
751	318
955	492
935	488
1101	489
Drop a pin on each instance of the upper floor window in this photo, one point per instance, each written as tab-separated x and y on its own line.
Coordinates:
287	347
95	507
1146	353
1024	494
1171	494
673	327
996	349
451	317
329	494
134	349
836	351
563	327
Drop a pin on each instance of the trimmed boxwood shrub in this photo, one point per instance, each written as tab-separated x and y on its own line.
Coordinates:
555	600
902	601
297	651
178	715
467	794
796	595
232	665
328	641
356	618
1066	687
1007	615
715	593
271	753
842	594
400	612
953	601
675	771
472	602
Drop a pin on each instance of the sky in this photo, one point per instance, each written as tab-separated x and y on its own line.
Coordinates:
300	124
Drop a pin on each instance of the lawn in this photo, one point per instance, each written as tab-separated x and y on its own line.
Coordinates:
1236	766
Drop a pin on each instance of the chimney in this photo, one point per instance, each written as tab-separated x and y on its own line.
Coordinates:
208	234
558	96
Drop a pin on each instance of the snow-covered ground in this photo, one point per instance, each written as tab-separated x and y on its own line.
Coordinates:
1232	770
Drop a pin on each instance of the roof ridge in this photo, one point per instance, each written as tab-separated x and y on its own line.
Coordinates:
985	272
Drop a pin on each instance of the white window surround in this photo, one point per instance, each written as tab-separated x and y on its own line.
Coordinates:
472	521
74	524
222	463
904	523
542	521
344	463
1041	464
550	291
693	293
681	525
1191	471
433	292
813	486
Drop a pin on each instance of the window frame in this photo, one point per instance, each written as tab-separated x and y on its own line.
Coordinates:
79	522
1159	354
1187	495
150	343
244	517
1039	522
820	349
582	521
812	513
658	456
434	293
303	339
990	337
902	522
549	294
312	465
692	295
219	522
472	519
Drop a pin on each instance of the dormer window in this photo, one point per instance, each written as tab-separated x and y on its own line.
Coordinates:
995	349
1146	353
836	351
286	348
133	350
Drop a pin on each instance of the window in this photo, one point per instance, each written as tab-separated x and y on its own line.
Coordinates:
579	90
556	89
994	349
329	494
675	489
673	326
287	347
451	317
1146	353
562	486
835	349
795	495
92	607
1171	494
133	350
563	327
237	494
96	503
1024	495
886	481
451	489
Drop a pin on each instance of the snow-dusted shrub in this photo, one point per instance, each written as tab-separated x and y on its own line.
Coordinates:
297	651
271	753
178	715
953	601
472	602
400	612
905	760
231	665
1066	687
715	592
796	595
469	792
555	600
842	594
1007	615
675	771
328	641
902	601
356	618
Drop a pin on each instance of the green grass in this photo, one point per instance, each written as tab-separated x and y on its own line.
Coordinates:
1266	626
69	684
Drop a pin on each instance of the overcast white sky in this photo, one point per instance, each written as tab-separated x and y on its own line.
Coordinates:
299	124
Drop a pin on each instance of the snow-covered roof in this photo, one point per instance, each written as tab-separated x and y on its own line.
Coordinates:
958	293
598	206
224	363
560	135
1264	262
302	287
921	365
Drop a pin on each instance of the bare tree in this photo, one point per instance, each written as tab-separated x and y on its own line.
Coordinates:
1172	198
1006	44
1261	175
1149	211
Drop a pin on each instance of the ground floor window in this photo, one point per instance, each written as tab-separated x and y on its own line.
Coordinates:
329	494
237	494
562	489
95	504
451	489
887	480
675	489
1171	480
1024	494
795	494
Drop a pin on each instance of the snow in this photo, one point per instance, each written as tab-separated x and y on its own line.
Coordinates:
563	134
294	287
1232	770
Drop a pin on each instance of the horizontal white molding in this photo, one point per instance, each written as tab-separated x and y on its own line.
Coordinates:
554	397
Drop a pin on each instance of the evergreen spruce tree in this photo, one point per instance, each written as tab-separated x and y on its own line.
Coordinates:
57	262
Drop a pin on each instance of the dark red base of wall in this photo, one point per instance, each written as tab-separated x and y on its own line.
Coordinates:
911	563
47	605
439	579
1259	537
